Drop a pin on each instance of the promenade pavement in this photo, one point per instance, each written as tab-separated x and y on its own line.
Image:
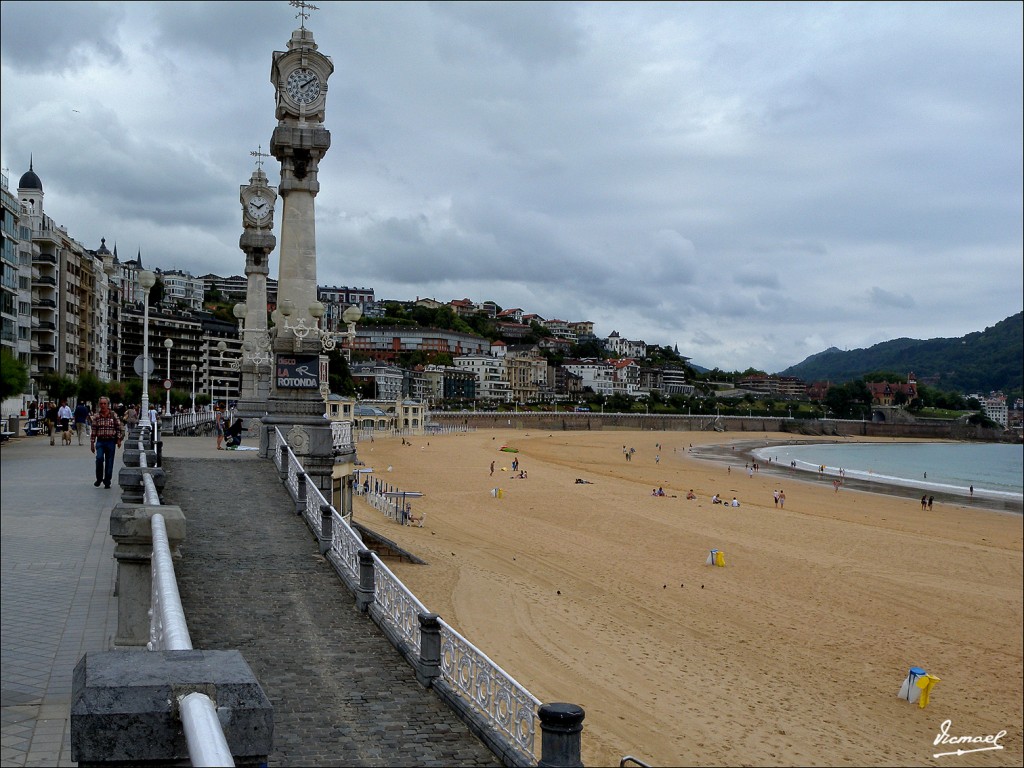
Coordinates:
250	578
56	590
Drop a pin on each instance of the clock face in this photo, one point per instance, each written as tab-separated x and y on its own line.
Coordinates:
258	207
303	86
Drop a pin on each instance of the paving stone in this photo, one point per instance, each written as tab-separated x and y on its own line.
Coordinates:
250	578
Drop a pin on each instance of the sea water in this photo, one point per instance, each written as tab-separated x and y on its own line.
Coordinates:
996	470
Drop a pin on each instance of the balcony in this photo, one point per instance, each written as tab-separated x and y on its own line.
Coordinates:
44	303
43	280
46	258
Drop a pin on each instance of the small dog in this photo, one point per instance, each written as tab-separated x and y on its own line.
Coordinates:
65	437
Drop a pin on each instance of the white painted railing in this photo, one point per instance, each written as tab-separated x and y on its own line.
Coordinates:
184	422
342	440
168	631
488	689
167	628
398	604
492	691
203	734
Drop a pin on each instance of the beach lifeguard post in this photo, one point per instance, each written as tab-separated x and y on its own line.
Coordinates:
716	557
917	686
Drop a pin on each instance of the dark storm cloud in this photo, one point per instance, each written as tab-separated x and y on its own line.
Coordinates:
752	181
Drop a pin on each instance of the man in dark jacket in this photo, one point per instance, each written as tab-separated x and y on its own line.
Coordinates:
51	420
81	420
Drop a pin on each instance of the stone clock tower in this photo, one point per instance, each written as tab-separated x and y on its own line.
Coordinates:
296	405
257	242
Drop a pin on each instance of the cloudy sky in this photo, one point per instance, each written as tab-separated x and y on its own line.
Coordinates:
753	182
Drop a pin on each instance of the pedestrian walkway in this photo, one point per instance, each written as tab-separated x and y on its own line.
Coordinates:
250	579
56	591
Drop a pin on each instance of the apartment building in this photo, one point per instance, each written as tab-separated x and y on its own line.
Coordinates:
491	378
10	237
527	372
616	344
388	342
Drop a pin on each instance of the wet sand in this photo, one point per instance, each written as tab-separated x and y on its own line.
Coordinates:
792	654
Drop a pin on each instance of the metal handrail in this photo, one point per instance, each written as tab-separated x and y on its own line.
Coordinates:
207	745
168	629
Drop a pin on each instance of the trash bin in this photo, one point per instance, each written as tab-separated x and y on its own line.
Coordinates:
14	424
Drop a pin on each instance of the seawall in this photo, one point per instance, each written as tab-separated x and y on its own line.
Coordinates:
923	429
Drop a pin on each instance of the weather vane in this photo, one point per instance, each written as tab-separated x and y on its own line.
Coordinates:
304	9
259	154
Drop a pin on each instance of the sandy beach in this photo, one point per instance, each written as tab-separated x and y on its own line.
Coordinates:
792	654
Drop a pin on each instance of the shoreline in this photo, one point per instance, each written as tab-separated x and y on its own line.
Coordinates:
728	453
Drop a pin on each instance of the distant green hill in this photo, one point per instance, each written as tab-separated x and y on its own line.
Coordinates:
988	360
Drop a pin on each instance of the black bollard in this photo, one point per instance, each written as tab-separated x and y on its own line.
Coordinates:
159	453
561	727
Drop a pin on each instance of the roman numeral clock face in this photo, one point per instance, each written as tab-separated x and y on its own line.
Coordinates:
303	86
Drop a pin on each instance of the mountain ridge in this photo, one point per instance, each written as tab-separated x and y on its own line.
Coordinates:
980	361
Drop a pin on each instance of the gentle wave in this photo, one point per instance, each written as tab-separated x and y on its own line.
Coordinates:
997	467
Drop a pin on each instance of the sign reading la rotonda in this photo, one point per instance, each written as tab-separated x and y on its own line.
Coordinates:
294	372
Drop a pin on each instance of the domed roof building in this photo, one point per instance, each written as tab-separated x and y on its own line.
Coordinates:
29	179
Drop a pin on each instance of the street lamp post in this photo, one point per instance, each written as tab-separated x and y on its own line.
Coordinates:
147	280
221	347
169	345
193	387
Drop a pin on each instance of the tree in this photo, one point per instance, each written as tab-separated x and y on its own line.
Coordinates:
13	375
849	401
117	391
58	387
156	293
339	377
89	388
589	348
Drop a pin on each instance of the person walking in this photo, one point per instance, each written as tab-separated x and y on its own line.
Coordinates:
51	419
107	434
65	415
81	420
131	417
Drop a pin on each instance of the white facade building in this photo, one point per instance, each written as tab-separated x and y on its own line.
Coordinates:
180	288
491	379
